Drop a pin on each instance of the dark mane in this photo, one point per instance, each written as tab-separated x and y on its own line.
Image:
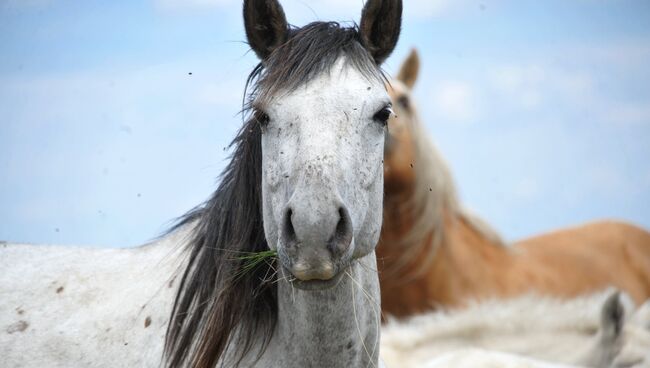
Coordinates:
312	50
211	302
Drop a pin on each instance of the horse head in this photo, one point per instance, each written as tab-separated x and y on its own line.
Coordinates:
400	150
322	110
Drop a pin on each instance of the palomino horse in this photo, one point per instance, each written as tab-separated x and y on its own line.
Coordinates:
432	252
305	184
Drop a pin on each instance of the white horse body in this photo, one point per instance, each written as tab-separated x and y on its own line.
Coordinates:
69	306
527	331
473	357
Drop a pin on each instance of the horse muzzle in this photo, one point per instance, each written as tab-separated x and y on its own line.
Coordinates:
315	243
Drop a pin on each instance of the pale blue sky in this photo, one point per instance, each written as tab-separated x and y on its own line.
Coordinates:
542	109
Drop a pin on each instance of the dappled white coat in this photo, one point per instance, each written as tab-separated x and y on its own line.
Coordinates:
529	331
69	306
474	357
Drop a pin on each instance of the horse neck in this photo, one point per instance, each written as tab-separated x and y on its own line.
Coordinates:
338	327
428	240
467	244
414	210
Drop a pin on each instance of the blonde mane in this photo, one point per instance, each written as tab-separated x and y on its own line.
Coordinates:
434	200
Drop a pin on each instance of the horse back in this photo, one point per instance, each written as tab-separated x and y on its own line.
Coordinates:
66	306
590	257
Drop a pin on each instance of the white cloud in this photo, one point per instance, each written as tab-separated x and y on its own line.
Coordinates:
624	54
611	182
226	93
628	114
98	137
543	88
424	9
322	9
527	189
300	11
456	101
176	5
531	86
522	84
24	4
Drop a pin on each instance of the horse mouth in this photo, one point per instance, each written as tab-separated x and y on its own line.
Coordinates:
313	284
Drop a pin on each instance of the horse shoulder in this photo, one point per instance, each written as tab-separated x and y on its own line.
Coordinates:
491	263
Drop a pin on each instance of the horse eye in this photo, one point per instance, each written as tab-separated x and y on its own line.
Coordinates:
383	115
403	101
262	118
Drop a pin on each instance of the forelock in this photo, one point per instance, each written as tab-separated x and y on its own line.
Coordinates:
309	52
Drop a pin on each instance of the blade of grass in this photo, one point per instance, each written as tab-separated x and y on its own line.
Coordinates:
250	261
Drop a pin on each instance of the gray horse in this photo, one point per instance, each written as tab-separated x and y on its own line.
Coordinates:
305	184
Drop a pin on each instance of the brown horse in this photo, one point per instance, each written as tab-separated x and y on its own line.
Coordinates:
433	252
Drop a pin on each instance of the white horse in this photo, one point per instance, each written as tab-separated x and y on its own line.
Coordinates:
305	184
599	330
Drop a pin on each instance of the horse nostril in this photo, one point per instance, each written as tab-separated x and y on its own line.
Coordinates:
288	233
343	233
301	232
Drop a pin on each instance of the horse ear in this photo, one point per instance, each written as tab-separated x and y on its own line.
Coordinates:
381	22
612	318
266	26
408	72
